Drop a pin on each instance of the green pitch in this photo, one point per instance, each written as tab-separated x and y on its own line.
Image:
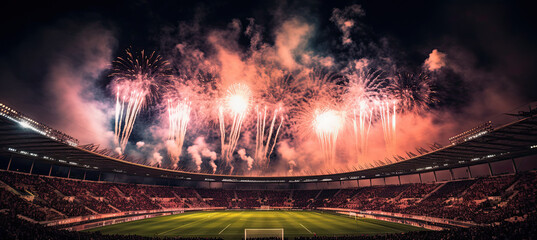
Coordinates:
231	224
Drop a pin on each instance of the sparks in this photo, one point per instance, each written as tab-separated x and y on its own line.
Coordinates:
237	101
327	123
179	116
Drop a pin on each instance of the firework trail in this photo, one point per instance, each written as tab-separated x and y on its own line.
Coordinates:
237	102
326	124
262	146
128	107
135	78
387	110
364	86
179	116
361	124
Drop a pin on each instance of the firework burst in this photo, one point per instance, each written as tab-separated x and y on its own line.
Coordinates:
364	86
413	91
178	116
262	144
236	104
387	110
135	80
327	123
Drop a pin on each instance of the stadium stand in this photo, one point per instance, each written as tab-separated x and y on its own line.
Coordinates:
483	200
501	200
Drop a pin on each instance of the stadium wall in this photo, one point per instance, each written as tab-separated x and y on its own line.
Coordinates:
28	165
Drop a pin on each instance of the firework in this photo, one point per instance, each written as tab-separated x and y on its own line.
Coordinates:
387	110
135	78
128	106
413	91
326	124
236	103
320	83
364	86
262	146
179	116
361	124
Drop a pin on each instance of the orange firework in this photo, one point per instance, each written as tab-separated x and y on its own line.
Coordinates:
236	103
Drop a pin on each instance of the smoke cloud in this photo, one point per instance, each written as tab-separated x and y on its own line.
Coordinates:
156	159
345	20
200	149
435	61
72	85
249	160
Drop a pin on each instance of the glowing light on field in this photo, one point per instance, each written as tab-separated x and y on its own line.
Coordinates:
237	102
327	123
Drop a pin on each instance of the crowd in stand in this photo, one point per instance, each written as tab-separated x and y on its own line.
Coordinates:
275	198
303	198
19	205
48	198
217	198
248	199
483	200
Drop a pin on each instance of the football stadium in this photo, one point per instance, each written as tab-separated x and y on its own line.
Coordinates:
270	120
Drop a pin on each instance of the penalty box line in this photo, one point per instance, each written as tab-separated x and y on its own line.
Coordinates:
224	229
302	225
305	228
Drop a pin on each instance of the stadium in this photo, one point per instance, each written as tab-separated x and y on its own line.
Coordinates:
275	120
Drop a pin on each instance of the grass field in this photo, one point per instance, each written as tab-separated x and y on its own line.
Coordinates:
231	224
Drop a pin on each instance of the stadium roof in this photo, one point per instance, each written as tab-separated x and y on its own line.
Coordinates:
512	140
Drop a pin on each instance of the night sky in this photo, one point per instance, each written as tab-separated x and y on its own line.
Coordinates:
499	35
490	47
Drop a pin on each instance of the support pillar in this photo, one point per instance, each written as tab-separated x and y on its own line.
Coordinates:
419	174
114	180
469	172
490	169
99	176
50	170
370	182
32	167
384	181
84	176
451	174
399	177
435	179
514	165
9	164
69	173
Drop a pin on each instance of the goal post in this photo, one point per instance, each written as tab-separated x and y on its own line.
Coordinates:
352	214
251	233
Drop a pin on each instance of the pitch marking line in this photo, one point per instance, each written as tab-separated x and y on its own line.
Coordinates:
224	229
305	228
185	225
